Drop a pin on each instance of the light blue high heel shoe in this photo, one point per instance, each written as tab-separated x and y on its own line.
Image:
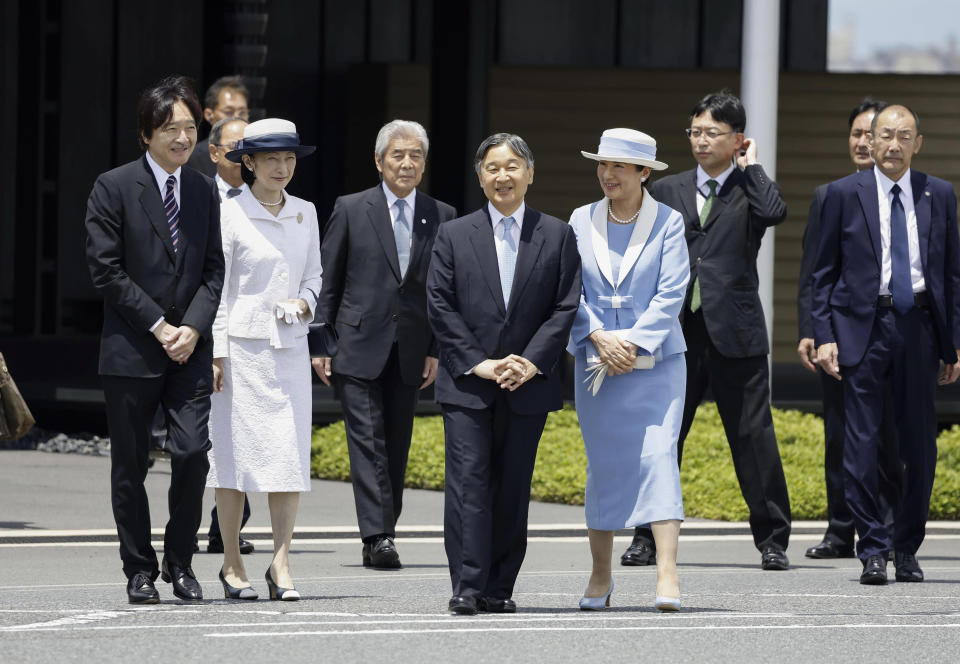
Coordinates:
667	604
596	603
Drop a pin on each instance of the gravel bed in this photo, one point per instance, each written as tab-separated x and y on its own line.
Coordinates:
52	441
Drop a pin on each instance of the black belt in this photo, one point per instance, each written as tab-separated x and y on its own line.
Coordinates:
920	300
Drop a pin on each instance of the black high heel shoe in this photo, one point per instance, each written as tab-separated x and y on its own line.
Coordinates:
229	592
276	592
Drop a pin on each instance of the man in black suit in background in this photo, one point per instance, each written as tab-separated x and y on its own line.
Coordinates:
228	97
728	202
375	251
502	293
838	540
153	248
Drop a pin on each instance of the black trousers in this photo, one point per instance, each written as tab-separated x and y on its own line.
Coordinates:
378	415
741	388
490	455
840	527
214	532
902	349
131	404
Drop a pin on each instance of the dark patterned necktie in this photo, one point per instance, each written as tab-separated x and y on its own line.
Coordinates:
173	212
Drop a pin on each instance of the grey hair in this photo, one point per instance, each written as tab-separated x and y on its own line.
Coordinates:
216	133
514	142
397	128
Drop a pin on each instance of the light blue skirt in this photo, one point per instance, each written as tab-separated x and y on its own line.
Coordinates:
630	431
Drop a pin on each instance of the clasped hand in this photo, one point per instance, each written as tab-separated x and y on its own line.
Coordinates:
291	310
509	372
178	342
618	354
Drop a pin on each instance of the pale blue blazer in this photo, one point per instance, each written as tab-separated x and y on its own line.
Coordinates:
655	270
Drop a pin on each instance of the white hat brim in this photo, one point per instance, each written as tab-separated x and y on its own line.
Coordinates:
639	161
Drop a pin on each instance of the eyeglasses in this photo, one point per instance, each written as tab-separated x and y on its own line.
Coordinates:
712	134
229	147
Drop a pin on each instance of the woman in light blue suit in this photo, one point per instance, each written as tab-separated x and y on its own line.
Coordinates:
629	348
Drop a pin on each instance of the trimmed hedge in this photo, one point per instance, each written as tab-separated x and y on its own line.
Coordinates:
710	488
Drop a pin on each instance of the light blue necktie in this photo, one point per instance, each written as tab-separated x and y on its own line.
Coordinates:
401	233
508	260
901	285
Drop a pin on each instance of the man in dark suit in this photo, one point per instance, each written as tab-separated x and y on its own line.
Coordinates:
228	97
728	202
838	540
375	252
886	306
154	253
502	293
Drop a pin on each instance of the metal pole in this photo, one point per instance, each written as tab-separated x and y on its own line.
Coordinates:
759	77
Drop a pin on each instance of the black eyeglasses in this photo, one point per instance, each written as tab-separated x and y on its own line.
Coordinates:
712	134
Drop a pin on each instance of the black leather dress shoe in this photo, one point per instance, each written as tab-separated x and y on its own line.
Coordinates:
462	605
215	545
493	605
774	559
185	584
826	549
908	569
874	571
381	554
639	553
140	589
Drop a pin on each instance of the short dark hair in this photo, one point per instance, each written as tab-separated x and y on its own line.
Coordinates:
916	118
724	107
236	83
515	143
868	103
156	105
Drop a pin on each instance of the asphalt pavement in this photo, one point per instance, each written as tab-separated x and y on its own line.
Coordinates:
62	594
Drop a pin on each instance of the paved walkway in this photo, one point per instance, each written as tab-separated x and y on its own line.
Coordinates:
62	593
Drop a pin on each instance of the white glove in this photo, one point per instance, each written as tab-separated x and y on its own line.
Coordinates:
288	311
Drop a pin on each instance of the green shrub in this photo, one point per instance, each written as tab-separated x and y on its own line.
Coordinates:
710	488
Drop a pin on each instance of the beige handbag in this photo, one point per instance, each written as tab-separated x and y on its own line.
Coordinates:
15	418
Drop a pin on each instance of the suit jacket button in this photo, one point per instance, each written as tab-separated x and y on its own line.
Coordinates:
401	291
395	317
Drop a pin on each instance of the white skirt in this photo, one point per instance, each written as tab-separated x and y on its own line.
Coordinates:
260	424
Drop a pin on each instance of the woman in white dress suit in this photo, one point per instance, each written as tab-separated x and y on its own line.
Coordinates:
261	409
629	348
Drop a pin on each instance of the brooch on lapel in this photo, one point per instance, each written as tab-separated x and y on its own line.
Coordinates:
926	193
299	217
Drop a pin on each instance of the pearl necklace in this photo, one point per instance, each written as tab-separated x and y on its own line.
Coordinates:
280	202
622	222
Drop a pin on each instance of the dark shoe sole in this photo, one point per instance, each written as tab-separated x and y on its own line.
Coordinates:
637	562
148	600
873	581
463	611
774	567
817	556
908	579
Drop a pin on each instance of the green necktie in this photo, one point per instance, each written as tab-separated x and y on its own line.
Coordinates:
704	215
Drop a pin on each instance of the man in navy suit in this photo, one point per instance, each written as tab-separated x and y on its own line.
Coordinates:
838	541
502	293
886	305
154	253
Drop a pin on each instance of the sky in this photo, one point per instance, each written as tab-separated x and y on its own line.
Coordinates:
887	24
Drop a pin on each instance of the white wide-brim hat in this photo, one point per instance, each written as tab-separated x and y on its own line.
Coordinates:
628	146
270	135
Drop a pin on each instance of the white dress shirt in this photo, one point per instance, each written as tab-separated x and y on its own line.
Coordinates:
703	190
885	199
161	177
496	218
223	186
410	199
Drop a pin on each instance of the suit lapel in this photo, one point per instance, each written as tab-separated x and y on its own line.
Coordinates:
379	217
867	193
639	236
921	206
531	242
153	207
688	198
720	202
486	250
424	220
598	238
